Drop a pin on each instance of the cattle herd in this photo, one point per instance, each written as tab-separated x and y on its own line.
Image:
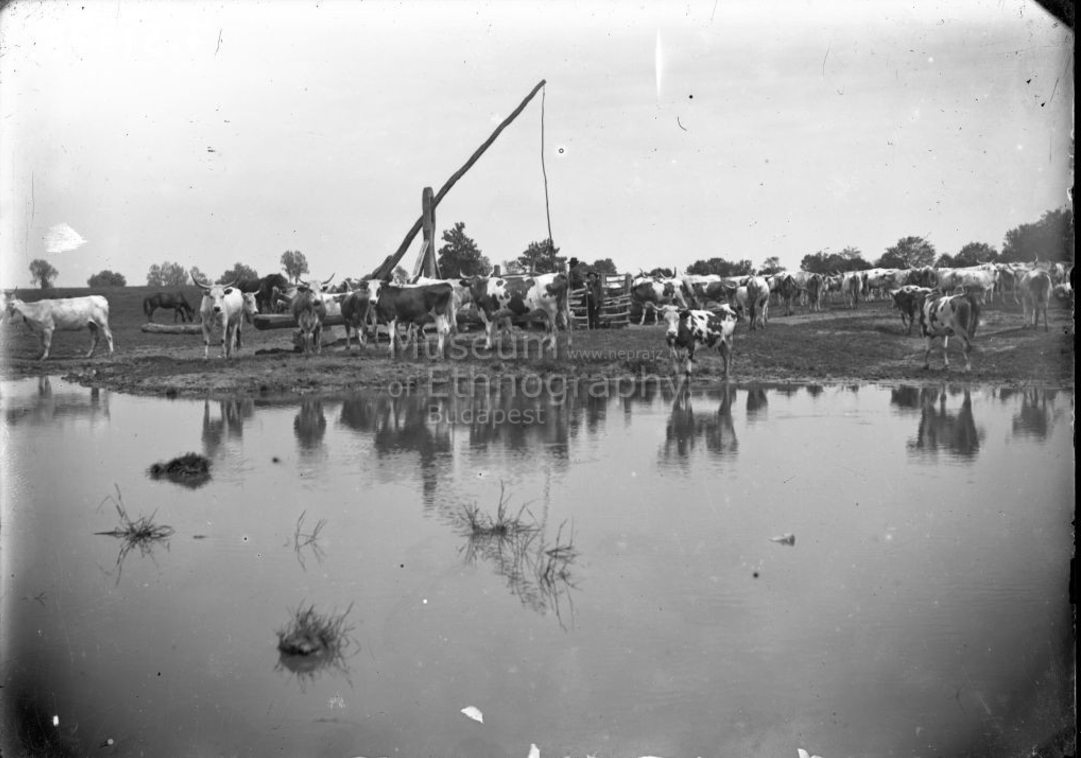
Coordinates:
697	310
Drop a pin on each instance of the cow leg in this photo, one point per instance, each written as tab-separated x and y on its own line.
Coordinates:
725	350
945	352
94	335
442	329
393	329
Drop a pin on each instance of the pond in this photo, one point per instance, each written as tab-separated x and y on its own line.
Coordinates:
859	571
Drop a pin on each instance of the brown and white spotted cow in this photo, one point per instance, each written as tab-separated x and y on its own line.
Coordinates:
688	328
500	297
948	316
908	300
758	301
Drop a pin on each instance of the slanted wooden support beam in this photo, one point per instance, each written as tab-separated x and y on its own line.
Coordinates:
384	271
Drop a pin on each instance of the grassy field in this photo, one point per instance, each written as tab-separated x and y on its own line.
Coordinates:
838	345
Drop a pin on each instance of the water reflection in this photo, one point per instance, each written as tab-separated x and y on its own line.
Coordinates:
1037	415
757	404
229	425
685	427
939	429
310	426
46	405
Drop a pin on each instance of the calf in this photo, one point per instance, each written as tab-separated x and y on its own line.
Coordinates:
309	311
689	328
1035	288
545	295
908	300
221	308
461	297
69	314
949	315
412	305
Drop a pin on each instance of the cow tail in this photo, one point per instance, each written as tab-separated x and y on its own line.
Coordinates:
974	303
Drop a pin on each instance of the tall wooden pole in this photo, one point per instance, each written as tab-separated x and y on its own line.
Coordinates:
387	268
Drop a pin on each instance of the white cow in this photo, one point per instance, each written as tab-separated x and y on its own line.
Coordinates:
69	314
222	308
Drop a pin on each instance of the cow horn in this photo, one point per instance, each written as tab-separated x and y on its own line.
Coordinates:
326	282
230	284
199	284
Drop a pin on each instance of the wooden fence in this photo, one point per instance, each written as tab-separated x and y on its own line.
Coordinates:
615	307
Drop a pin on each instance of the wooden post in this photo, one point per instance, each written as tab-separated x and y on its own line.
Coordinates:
427	203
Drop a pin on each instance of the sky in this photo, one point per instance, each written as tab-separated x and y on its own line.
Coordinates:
138	132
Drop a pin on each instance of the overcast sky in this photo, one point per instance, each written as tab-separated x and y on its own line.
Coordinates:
212	133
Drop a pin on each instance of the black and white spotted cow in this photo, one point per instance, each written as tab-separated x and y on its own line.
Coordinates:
687	329
947	316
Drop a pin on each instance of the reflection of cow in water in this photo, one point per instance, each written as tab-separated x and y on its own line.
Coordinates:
941	430
229	424
685	427
1035	417
757	402
310	425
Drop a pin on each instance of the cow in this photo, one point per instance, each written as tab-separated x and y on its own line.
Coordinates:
248	309
908	300
703	289
309	311
412	305
356	306
174	300
812	286
222	307
69	314
925	276
1035	288
946	316
980	279
1063	293
851	285
544	294
882	280
460	298
656	291
689	328
787	290
758	301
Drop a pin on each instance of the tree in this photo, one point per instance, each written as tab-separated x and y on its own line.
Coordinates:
237	272
167	275
945	261
400	274
43	272
909	252
541	258
512	267
294	264
1050	238
604	266
107	279
823	262
771	265
720	267
459	256
973	254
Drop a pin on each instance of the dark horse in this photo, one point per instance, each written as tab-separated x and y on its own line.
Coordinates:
175	300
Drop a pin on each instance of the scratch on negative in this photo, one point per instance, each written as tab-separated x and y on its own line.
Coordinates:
681	126
216	49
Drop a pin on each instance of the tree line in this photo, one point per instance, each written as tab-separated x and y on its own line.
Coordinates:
1050	238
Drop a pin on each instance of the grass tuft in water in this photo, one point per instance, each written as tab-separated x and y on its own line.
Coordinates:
502	525
190	470
142	533
310	633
